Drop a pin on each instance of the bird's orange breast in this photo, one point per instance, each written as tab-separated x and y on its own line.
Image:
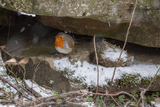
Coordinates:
59	42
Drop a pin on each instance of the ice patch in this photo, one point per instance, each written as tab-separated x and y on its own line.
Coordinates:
27	14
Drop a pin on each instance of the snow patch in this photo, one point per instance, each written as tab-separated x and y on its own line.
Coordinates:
88	72
118	21
2	4
88	104
113	54
42	91
156	104
9	89
7	105
114	10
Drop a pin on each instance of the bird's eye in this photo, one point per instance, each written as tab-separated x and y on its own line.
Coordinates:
61	37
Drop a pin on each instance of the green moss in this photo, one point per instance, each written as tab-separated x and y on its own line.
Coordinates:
79	80
67	72
55	0
112	0
129	79
132	80
93	1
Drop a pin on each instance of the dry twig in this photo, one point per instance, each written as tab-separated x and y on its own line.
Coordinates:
111	96
3	79
143	91
122	92
70	96
125	41
33	78
149	85
97	63
6	101
59	96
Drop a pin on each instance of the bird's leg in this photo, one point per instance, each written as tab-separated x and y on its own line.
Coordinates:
69	56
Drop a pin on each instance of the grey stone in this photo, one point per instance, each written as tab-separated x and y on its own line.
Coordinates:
97	17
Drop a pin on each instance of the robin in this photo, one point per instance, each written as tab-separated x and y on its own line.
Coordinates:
64	43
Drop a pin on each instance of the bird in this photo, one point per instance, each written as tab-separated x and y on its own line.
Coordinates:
64	43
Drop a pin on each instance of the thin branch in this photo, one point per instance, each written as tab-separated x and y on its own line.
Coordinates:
143	91
67	100
153	79
149	85
111	96
33	78
122	92
7	53
6	101
115	101
97	63
59	96
3	79
26	90
45	104
69	97
124	42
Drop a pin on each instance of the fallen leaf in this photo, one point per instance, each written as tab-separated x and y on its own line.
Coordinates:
11	61
24	61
